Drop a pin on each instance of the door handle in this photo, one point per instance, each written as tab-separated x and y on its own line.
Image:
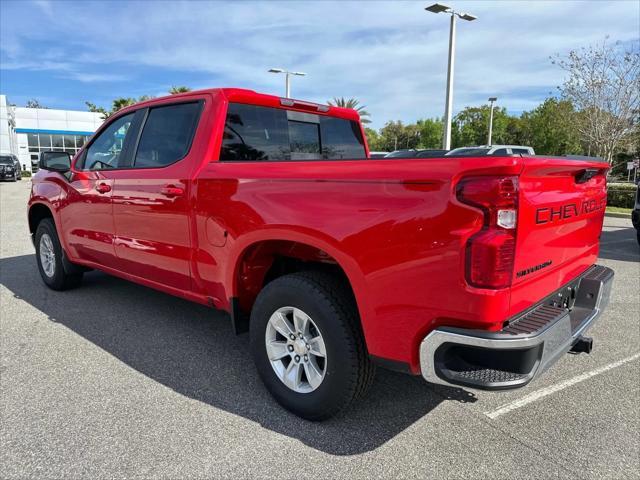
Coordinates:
172	191
103	188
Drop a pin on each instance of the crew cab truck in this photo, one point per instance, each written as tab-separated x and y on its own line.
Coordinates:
470	271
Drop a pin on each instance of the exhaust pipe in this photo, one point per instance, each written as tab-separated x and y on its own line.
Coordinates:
582	345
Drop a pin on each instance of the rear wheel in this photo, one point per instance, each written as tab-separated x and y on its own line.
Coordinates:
307	344
49	256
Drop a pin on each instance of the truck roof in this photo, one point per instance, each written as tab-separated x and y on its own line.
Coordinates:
242	95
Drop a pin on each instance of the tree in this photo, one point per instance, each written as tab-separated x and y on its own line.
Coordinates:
373	139
397	136
122	102
33	103
552	128
431	131
603	84
471	127
96	109
116	105
174	90
354	104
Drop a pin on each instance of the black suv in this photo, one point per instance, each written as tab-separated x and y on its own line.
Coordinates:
10	168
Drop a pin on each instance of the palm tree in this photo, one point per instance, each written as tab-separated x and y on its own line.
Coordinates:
181	89
354	104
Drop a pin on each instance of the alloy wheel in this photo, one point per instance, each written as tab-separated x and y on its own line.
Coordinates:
296	349
47	255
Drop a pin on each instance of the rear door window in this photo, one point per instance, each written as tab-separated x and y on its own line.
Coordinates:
167	134
255	133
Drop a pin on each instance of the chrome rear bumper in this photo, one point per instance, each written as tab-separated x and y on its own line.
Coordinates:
522	350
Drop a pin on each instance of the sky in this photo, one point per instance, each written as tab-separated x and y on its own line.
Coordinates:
390	55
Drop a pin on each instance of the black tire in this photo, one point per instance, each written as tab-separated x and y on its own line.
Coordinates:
60	279
638	235
328	301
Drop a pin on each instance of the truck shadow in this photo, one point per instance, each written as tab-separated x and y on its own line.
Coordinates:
619	244
192	350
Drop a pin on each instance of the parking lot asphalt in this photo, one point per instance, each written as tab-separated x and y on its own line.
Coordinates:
117	380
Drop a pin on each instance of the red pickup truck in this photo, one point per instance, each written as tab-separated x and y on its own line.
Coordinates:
474	272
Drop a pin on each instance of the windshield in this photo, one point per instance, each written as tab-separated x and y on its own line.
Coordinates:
469	151
6	161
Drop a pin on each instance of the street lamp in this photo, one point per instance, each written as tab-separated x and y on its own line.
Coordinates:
287	73
440	8
491	99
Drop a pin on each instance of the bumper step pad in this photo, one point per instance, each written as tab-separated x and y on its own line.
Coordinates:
472	374
527	346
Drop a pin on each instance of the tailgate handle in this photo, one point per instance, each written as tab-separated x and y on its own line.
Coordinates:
583	176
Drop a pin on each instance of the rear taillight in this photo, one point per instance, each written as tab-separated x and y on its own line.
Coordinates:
490	253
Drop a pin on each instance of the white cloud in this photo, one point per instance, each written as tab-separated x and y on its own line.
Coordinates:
390	55
95	77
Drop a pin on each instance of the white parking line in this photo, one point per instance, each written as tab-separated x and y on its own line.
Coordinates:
543	392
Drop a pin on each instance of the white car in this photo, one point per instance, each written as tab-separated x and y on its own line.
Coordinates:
492	150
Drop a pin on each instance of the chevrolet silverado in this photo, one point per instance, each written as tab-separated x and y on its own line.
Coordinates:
473	272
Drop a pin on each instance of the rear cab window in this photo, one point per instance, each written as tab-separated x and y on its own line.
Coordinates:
257	133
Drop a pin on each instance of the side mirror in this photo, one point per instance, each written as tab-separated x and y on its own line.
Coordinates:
55	161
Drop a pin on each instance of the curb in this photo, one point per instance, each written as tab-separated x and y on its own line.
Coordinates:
618	215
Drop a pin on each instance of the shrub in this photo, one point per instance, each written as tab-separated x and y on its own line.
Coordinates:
26	173
621	195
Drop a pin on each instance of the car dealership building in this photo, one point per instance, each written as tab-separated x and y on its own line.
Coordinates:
26	132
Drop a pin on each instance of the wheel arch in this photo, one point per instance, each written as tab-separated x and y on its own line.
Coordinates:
37	212
260	260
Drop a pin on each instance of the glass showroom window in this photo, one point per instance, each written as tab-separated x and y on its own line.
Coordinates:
43	142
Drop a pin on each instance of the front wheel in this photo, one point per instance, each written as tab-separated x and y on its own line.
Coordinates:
307	344
49	258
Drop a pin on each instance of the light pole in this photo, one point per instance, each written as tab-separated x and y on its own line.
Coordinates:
440	8
286	81
491	99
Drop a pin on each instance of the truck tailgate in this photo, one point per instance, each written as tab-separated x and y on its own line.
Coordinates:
560	215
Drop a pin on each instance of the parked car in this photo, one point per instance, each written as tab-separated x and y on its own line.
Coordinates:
377	154
406	153
10	168
635	213
492	150
415	153
474	274
431	153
